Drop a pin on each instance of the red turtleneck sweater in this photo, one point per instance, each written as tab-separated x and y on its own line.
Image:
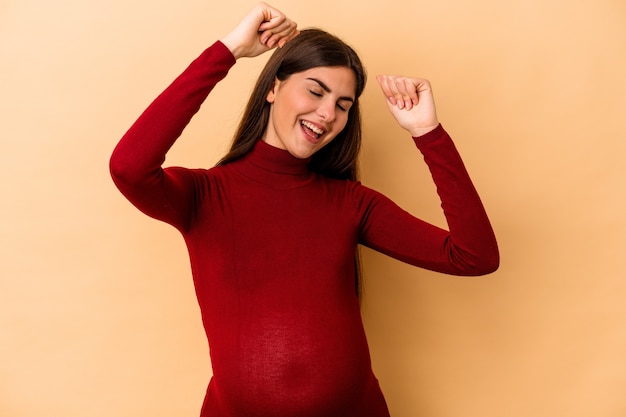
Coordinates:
272	247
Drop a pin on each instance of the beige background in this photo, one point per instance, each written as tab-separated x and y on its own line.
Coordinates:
97	311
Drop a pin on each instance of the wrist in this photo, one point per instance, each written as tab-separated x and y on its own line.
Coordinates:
235	48
421	131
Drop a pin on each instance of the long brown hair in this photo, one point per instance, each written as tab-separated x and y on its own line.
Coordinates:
311	48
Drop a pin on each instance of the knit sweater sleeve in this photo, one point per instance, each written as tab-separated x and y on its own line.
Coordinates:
469	245
136	162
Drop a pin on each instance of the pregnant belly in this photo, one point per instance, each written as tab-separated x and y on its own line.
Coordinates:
320	369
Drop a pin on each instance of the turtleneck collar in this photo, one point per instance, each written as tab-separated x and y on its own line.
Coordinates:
274	167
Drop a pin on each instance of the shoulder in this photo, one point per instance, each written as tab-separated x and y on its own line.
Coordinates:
196	176
359	195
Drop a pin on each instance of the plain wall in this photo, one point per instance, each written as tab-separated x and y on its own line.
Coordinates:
97	310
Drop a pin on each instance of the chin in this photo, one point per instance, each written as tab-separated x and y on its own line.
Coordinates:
301	155
301	151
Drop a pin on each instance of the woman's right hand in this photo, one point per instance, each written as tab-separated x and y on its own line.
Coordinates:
262	29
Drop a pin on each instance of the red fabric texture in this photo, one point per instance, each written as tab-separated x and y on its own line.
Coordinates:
272	245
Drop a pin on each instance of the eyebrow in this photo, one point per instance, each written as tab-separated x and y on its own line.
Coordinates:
328	90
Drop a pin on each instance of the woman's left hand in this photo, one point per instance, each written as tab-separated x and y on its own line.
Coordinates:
411	102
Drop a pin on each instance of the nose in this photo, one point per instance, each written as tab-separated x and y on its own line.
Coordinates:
327	110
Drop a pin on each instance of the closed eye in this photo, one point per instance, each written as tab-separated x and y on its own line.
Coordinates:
316	94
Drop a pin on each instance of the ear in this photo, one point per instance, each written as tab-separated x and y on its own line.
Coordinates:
271	95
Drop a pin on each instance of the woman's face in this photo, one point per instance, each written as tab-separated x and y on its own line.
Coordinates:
309	109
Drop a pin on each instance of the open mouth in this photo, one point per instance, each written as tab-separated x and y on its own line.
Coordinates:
312	130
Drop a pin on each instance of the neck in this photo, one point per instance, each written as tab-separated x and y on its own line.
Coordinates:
274	167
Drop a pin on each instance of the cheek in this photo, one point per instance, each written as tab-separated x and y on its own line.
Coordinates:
341	123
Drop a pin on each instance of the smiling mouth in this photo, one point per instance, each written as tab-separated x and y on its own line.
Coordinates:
312	130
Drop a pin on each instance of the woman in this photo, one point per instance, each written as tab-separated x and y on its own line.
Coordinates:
272	231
